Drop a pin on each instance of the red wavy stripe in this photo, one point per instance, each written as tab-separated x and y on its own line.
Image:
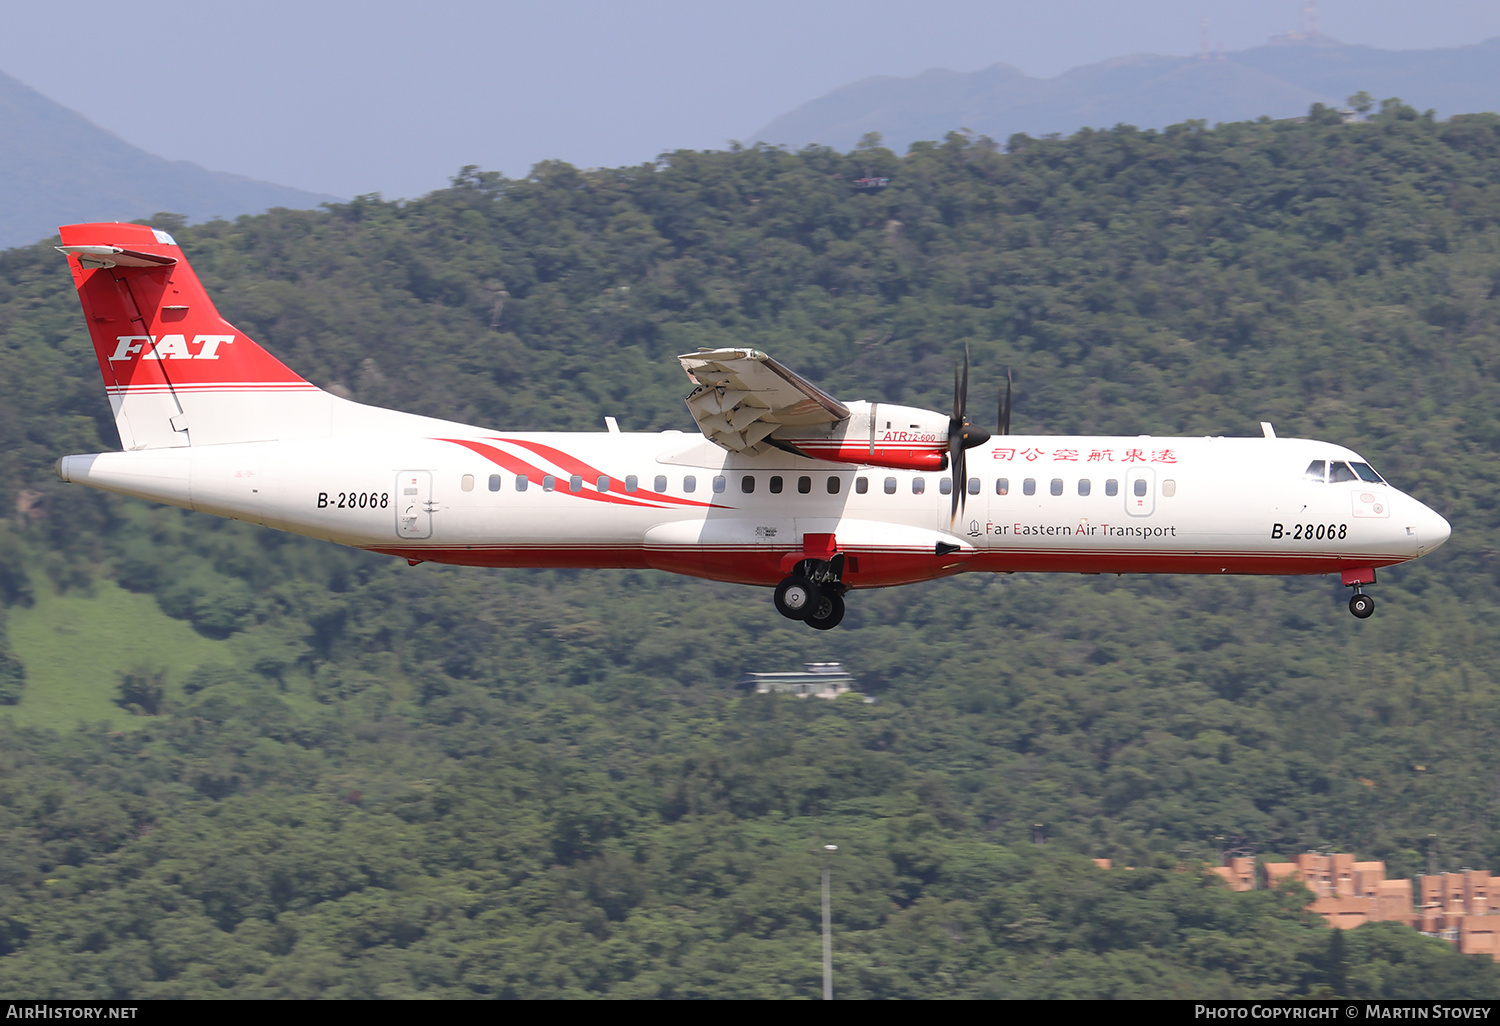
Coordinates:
503	459
573	465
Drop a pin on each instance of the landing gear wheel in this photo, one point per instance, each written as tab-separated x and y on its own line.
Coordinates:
796	597
828	612
1361	605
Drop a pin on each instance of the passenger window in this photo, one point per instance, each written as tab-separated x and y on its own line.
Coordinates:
548	483
1028	486
1169	487
467	482
747	484
632	483
575	483
521	482
861	485
1139	487
660	484
833	486
494	482
775	485
890	486
945	485
1314	471
973	486
919	485
1057	486
719	483
1339	473
690	483
1002	486
603	483
1111	487
1083	486
804	485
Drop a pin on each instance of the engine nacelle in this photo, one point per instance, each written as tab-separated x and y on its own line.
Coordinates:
880	435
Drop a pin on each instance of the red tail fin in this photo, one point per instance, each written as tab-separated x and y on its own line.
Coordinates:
170	363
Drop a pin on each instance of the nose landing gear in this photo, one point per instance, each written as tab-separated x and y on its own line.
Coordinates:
814	593
1360	604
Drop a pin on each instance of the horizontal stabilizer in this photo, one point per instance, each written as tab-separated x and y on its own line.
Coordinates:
115	256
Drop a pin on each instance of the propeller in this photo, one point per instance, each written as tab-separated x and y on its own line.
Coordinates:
1004	420
962	436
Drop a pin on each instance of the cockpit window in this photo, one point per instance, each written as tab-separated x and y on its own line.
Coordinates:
1339	471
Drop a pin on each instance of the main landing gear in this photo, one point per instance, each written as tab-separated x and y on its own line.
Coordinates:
814	593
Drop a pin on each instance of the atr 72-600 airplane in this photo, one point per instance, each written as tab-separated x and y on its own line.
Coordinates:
786	487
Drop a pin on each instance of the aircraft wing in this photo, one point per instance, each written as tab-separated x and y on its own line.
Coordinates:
743	396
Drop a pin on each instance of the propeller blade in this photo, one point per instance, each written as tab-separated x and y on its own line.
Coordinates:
1005	406
962	436
963	395
957	463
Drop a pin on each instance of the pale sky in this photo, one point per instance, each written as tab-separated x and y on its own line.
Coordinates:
393	97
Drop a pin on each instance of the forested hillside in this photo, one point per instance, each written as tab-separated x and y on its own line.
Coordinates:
398	781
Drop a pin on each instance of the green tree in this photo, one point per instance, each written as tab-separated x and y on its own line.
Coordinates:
142	690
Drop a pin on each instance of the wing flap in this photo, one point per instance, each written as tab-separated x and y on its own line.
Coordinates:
743	396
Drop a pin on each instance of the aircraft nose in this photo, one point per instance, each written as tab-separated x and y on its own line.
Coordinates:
1432	529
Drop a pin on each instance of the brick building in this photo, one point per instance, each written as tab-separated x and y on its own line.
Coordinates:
1463	908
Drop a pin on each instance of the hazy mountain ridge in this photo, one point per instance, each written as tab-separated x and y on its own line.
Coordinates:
57	167
1145	90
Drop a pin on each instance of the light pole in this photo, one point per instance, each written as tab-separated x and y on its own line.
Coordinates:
828	850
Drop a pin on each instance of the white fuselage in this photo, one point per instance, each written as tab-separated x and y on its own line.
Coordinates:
677	502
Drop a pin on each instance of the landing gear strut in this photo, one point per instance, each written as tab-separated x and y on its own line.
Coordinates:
814	593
